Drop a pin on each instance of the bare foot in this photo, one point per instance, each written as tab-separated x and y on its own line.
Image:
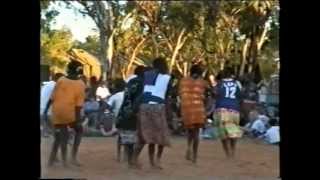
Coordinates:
135	166
158	164
188	155
76	162
66	165
194	160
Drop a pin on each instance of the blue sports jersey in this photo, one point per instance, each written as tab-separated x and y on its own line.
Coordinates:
228	95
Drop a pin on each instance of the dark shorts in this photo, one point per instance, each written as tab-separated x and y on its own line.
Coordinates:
74	125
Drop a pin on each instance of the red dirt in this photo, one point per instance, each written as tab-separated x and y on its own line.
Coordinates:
254	160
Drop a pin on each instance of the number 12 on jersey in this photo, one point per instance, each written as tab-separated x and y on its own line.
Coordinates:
230	91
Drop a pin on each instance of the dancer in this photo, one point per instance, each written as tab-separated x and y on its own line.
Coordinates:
67	100
127	119
152	125
192	92
227	114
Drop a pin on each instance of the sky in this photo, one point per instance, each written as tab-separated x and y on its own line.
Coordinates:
80	26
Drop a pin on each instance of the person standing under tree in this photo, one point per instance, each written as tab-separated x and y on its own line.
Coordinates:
67	100
227	116
152	126
192	92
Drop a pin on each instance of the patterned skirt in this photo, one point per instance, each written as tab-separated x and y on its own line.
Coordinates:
227	123
152	125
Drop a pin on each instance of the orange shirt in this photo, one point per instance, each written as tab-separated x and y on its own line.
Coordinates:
66	96
192	94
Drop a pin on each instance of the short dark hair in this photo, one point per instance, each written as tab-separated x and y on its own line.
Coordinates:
161	65
227	72
57	76
74	67
119	85
196	70
139	71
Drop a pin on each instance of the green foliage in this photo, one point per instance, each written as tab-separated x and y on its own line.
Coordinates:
54	47
91	45
216	31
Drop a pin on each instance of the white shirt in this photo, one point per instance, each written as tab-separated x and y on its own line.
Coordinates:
115	101
259	126
272	135
46	92
102	92
160	87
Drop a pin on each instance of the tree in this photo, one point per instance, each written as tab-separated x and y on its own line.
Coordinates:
255	17
47	16
103	19
91	45
54	47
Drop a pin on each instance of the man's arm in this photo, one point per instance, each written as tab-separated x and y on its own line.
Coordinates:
78	113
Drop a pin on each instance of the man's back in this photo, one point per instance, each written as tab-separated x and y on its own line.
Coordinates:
228	91
67	95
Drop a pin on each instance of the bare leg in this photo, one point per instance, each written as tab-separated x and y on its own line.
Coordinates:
195	144
233	142
77	140
225	147
137	150
125	152
64	135
151	154
55	146
188	153
159	154
119	149
130	154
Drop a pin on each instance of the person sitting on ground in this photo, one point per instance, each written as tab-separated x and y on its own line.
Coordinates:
91	109
257	125
102	92
272	136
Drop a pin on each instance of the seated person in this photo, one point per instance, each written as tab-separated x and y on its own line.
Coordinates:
257	126
91	109
272	136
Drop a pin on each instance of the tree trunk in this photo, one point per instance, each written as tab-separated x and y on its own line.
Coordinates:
134	54
185	69
103	56
176	49
222	63
110	50
244	57
155	45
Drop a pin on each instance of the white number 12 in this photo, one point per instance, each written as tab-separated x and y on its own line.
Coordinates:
230	92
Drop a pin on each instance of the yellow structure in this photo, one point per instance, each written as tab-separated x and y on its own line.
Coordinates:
91	65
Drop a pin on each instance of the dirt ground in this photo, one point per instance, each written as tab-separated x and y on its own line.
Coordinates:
254	160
